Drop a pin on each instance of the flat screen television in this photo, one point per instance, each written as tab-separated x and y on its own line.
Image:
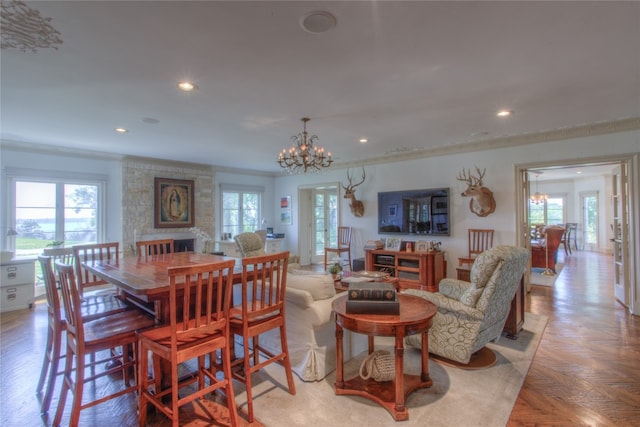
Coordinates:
420	212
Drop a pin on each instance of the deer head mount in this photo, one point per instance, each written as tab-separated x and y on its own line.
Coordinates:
357	207
482	202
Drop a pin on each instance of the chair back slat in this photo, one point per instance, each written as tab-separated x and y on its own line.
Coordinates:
147	248
71	300
344	236
200	296
264	281
480	240
93	252
51	288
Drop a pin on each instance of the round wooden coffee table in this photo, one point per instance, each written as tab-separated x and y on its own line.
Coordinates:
415	318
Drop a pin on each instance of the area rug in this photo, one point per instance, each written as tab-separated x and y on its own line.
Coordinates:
458	397
537	278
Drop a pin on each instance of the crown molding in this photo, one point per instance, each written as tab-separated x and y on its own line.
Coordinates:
582	131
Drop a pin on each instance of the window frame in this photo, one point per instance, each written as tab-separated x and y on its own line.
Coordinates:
60	179
241	190
545	208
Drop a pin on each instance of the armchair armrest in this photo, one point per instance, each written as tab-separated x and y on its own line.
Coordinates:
449	306
298	297
453	288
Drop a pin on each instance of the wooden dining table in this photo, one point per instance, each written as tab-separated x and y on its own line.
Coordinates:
144	281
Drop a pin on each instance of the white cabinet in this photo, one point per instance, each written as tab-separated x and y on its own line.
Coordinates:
17	284
274	245
228	247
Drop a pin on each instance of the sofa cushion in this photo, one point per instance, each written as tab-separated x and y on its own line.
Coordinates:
471	295
320	286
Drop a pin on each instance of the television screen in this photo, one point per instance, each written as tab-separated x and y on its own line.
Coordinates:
421	212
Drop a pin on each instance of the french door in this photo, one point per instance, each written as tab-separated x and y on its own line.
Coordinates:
325	222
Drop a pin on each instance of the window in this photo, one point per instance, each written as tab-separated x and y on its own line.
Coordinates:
55	210
551	211
241	209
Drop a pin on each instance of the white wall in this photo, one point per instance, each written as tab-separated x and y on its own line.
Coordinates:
68	163
442	171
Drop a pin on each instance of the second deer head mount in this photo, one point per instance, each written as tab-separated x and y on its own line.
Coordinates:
482	202
357	207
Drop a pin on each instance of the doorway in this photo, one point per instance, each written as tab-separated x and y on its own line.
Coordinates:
587	218
319	214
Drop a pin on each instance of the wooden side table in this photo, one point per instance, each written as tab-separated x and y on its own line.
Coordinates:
415	318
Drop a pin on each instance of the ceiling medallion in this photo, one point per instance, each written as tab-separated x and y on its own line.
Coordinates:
304	156
23	28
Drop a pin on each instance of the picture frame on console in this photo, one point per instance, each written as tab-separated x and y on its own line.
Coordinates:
173	203
422	246
392	244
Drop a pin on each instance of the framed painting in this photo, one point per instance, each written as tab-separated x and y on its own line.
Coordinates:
392	244
422	246
174	203
285	210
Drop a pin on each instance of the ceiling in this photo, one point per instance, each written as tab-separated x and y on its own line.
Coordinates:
411	77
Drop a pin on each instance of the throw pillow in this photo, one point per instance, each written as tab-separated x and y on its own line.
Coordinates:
320	286
471	295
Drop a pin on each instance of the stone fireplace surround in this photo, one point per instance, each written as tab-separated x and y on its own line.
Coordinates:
138	201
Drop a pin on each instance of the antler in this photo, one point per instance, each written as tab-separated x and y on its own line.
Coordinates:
463	176
480	175
351	185
472	180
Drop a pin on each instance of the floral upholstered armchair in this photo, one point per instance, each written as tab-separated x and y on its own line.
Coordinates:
249	244
472	314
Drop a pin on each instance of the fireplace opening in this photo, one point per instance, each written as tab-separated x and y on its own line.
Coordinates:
184	245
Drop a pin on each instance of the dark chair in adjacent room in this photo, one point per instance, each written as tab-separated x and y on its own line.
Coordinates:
344	245
544	252
261	308
199	327
570	229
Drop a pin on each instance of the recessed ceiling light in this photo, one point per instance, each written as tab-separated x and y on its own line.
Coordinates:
121	130
318	21
187	86
363	140
504	113
579	172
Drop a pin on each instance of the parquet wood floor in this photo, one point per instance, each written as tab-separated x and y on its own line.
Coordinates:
586	371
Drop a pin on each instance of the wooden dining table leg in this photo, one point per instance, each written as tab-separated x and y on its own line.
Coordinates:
339	357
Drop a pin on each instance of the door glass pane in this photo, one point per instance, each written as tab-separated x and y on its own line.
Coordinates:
319	222
35	216
80	214
555	211
591	220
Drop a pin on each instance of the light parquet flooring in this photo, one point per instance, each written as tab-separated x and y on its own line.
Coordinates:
586	371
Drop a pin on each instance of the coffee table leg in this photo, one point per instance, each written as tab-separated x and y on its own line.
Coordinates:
400	373
339	356
424	375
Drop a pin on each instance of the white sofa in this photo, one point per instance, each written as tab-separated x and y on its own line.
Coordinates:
310	325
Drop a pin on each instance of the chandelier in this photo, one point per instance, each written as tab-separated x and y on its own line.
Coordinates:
304	156
23	28
538	198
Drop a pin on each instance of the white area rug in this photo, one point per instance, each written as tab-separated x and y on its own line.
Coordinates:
458	397
537	278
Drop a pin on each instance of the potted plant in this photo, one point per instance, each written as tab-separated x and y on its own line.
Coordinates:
336	268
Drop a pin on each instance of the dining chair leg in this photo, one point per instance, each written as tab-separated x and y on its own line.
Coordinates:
287	360
143	384
226	369
46	360
247	376
66	383
54	362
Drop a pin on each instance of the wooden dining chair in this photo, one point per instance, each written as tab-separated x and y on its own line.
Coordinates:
57	326
344	245
200	296
147	248
95	337
93	252
479	241
262	308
